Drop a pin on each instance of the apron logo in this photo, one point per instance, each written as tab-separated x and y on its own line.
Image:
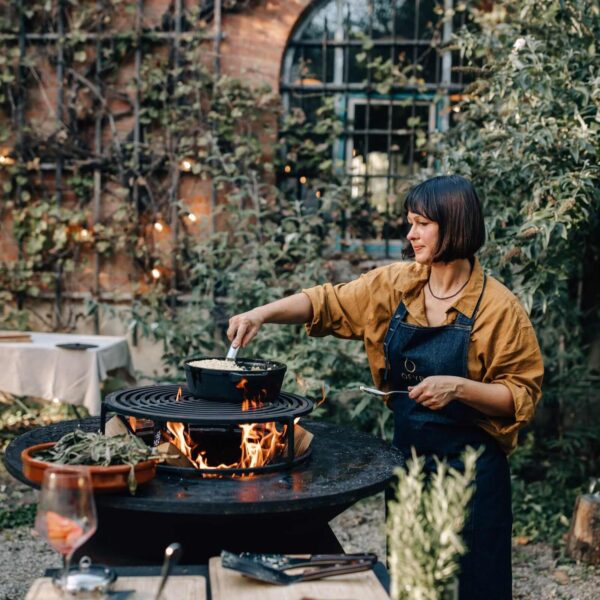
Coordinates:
408	373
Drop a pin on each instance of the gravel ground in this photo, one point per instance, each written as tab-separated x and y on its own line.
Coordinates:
537	572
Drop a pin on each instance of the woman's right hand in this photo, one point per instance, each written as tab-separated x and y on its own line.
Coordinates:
244	327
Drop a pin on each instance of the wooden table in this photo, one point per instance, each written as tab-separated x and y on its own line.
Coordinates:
203	571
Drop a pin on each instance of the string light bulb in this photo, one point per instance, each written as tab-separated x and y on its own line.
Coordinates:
287	169
302	180
318	194
84	234
158	226
192	217
186	165
155	273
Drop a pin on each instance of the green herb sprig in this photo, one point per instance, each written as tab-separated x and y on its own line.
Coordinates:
95	449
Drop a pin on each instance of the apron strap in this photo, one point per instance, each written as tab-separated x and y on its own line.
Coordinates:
396	320
463	319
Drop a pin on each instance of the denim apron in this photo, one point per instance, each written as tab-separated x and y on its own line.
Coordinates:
413	353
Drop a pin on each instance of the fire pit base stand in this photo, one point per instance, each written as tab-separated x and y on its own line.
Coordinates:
142	538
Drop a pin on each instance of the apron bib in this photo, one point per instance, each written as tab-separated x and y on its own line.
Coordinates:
413	353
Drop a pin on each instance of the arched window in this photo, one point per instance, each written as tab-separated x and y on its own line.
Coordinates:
338	48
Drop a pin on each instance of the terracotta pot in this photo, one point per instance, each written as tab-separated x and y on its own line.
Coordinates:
104	479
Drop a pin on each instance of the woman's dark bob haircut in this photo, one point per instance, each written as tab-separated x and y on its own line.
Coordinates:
452	202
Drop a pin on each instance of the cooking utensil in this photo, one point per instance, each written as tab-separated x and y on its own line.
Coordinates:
172	555
379	393
283	562
232	352
262	572
263	380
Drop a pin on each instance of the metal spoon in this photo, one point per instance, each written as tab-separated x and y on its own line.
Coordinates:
232	352
172	554
379	393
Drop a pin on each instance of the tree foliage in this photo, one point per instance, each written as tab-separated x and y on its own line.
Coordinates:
527	135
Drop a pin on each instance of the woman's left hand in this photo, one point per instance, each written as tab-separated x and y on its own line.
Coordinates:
436	391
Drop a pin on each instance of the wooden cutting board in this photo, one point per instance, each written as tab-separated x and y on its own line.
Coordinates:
226	584
179	587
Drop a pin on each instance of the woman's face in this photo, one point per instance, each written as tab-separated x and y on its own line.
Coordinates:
423	237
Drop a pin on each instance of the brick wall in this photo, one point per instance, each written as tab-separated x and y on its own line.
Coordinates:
256	39
252	49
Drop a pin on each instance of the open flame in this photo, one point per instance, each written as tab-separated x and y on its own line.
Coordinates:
179	394
250	403
260	444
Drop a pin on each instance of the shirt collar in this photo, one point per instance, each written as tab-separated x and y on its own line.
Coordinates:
467	301
414	300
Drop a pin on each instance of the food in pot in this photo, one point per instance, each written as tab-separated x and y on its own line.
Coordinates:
225	365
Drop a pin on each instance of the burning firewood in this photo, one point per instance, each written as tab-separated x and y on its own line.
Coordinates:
172	456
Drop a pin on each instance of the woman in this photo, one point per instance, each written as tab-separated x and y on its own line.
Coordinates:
457	341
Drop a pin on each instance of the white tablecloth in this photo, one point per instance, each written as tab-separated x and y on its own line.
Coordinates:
38	368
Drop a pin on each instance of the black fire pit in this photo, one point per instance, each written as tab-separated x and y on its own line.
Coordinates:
164	403
286	511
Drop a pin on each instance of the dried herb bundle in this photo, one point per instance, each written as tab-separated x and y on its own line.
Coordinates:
95	449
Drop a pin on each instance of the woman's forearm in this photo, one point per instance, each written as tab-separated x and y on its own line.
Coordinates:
294	309
492	399
436	391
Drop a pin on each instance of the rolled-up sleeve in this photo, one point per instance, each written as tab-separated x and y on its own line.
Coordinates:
341	310
517	363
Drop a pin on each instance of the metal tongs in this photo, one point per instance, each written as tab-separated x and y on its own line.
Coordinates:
271	567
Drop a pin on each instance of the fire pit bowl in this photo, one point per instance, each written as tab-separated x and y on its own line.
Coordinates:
104	479
276	512
261	380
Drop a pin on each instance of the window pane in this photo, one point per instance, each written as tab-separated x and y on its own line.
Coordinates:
323	21
428	65
378	192
400	155
405	19
428	19
378	115
357	70
311	73
405	118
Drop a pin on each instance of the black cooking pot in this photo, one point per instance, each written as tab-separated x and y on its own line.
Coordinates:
263	380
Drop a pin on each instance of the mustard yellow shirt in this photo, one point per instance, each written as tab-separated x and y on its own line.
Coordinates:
503	348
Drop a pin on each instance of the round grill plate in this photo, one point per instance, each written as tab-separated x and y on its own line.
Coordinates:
159	403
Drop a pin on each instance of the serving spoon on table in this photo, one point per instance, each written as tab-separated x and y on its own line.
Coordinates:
379	393
172	555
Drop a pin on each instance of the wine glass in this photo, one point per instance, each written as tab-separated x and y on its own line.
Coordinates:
66	513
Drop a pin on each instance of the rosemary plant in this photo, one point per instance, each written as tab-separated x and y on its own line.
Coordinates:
424	526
